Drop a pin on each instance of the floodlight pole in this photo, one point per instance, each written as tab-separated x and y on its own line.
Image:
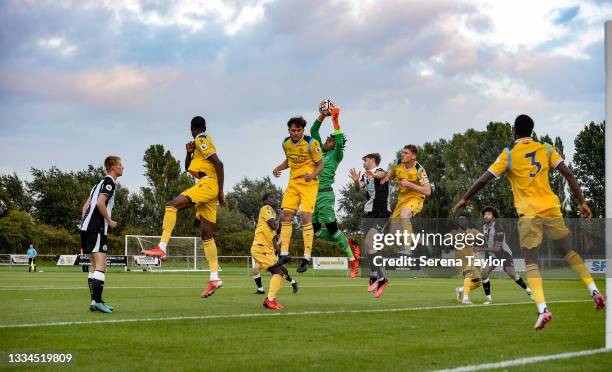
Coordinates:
608	160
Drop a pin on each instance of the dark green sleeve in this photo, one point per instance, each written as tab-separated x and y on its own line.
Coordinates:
314	130
339	153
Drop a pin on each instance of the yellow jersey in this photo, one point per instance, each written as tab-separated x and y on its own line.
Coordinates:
204	148
263	232
415	174
526	164
302	156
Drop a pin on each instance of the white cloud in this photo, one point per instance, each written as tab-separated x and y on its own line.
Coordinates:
58	44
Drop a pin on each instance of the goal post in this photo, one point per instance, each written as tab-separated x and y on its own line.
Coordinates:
185	253
182	253
608	172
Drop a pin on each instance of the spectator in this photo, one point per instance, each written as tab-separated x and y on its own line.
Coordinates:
32	258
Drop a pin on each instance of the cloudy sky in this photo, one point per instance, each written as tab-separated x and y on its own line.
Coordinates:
83	79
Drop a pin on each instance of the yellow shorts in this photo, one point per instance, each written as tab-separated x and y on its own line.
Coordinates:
263	255
414	204
468	271
204	194
301	193
549	222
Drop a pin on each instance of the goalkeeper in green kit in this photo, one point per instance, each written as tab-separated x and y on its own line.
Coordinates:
324	216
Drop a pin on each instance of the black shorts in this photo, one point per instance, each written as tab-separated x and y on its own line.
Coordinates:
94	242
502	255
376	222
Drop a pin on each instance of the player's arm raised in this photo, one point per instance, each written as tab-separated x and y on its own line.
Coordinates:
476	186
389	175
190	148
314	130
585	211
214	159
338	135
101	204
356	177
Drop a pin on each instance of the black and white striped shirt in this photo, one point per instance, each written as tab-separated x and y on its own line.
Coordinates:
94	221
378	203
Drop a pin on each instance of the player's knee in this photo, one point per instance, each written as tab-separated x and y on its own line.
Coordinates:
405	214
276	270
287	215
306	218
332	227
563	245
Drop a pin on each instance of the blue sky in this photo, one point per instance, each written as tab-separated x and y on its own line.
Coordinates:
83	79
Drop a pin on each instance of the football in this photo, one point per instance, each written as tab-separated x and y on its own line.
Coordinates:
326	106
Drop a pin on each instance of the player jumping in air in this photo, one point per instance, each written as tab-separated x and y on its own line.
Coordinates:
496	247
324	216
376	213
527	163
413	189
203	163
303	156
264	250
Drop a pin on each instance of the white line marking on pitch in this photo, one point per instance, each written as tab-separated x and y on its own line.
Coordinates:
529	360
15	288
256	315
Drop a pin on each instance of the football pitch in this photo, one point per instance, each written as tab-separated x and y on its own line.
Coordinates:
332	323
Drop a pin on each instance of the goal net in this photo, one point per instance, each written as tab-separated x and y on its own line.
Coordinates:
184	254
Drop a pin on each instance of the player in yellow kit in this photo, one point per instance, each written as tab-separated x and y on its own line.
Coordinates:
413	189
471	276
264	250
303	156
527	163
203	163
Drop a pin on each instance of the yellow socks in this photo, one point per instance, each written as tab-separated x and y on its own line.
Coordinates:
285	236
308	233
407	230
276	282
210	251
167	226
467	286
534	280
576	263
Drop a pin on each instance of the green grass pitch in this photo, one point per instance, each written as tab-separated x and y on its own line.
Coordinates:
331	324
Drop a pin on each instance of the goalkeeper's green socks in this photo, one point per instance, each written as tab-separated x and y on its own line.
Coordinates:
341	239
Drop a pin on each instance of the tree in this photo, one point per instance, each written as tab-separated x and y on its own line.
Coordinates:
557	181
15	231
59	196
246	196
467	157
166	181
13	189
350	207
589	166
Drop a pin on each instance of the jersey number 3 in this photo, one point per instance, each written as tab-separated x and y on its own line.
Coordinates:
534	163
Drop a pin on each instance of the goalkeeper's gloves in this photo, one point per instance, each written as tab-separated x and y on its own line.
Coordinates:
335	113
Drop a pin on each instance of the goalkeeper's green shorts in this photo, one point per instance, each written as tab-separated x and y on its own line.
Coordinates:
324	211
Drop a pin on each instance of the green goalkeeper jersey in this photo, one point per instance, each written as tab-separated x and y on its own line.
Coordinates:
331	159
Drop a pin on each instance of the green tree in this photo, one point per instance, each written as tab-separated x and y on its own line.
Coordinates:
166	181
557	182
13	188
59	196
15	231
589	167
246	196
350	208
467	156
